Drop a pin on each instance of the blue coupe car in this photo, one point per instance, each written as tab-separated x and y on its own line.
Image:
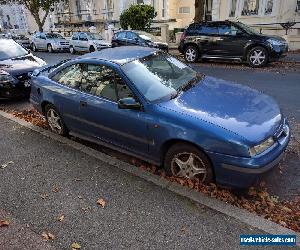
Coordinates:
150	105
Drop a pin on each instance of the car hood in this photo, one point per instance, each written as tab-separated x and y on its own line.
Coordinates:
22	64
237	108
278	38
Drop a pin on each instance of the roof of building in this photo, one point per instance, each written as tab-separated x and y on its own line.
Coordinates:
121	55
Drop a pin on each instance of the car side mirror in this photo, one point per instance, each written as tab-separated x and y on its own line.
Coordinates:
129	103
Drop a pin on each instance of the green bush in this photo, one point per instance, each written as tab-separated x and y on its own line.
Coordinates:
138	17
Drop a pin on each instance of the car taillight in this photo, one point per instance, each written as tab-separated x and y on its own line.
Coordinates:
183	36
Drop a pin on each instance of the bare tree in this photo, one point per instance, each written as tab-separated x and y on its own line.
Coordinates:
199	10
39	9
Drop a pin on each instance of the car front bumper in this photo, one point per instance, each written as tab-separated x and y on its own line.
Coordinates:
277	52
242	172
18	90
61	47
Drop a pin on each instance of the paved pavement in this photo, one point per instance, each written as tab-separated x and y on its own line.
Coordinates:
48	179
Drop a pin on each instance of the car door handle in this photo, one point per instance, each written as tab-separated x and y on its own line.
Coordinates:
83	104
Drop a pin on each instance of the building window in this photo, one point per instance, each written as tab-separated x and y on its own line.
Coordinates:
153	3
250	7
140	1
269	7
164	8
184	10
232	8
298	6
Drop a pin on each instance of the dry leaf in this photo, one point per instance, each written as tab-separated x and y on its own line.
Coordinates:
48	236
101	202
85	209
44	196
4	223
55	189
6	164
75	245
61	218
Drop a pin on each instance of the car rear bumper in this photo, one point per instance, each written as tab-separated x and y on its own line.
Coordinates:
14	91
242	172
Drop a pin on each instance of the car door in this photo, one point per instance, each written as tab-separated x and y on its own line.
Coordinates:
37	40
43	42
83	44
67	95
232	40
103	118
74	41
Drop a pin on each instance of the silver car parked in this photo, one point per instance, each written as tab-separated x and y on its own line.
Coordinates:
49	41
87	42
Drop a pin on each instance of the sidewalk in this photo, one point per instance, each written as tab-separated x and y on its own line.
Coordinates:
48	179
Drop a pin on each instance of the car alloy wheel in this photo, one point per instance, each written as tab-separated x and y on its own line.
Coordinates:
257	57
191	54
49	48
188	165
187	161
54	120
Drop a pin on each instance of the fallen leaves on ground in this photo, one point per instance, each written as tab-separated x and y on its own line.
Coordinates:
48	236
4	165
55	190
4	223
75	246
257	200
32	116
101	202
44	196
61	218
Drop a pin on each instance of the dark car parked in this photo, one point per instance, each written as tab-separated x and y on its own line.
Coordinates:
230	40
15	64
138	38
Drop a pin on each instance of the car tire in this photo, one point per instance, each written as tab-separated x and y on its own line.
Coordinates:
34	49
55	120
191	54
72	50
49	48
187	161
92	49
257	57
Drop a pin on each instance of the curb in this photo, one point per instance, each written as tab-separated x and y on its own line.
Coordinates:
243	216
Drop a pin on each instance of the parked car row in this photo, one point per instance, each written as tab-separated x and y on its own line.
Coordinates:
144	102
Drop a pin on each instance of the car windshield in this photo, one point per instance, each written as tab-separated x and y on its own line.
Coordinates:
10	49
147	36
247	28
53	35
93	36
159	75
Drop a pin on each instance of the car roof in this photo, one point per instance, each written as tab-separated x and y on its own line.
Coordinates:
120	55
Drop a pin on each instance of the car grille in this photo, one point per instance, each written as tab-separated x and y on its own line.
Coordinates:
64	43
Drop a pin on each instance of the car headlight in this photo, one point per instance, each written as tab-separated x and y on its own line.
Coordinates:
274	42
6	79
261	147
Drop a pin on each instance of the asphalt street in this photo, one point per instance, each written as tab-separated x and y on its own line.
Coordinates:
47	179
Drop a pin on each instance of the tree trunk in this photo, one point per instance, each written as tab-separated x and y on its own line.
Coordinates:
199	10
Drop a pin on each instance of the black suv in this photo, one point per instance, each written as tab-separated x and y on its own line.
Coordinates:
230	40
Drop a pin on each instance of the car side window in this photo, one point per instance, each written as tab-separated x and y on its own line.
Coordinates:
83	37
131	36
75	37
43	36
70	76
123	90
98	80
121	35
227	29
209	29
